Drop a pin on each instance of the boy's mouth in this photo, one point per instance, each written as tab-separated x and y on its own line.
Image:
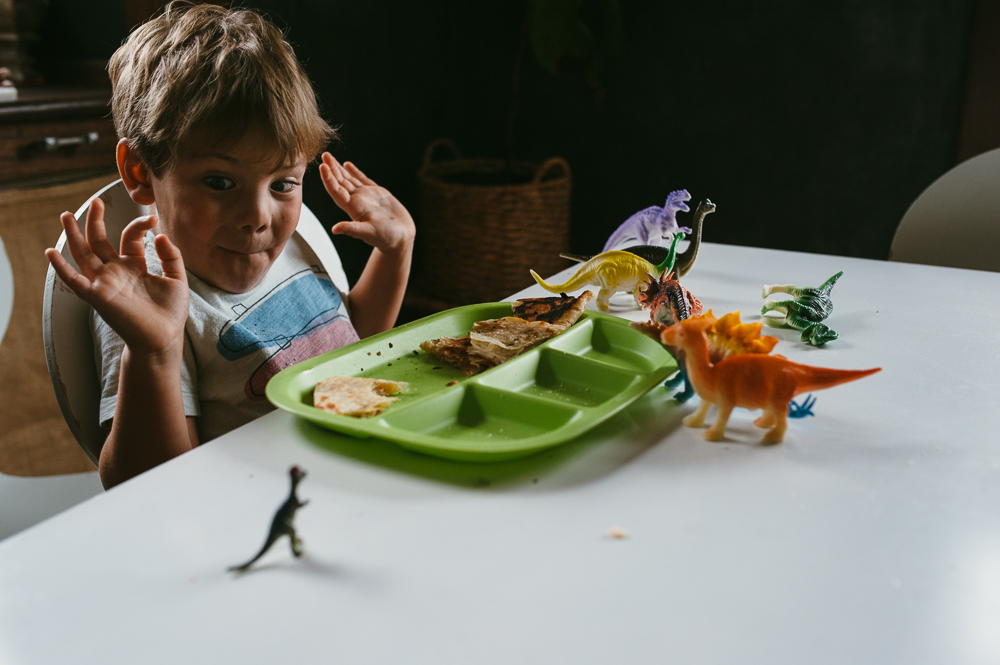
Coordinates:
246	252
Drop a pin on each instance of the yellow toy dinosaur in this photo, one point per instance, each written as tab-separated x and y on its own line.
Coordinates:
612	271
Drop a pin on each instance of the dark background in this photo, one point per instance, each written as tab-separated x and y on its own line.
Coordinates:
812	126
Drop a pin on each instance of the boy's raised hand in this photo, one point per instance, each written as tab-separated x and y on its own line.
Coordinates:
377	217
148	311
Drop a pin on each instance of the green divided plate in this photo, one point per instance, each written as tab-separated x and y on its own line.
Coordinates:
542	398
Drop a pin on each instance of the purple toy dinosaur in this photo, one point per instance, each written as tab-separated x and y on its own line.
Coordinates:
653	223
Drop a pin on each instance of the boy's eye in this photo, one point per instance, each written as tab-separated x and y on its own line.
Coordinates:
283	186
219	183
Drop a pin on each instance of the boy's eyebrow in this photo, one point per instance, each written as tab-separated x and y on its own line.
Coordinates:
216	155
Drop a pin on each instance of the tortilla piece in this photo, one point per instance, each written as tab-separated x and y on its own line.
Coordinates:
356	396
494	341
560	311
499	340
455	351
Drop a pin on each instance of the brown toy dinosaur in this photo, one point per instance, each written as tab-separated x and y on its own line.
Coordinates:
749	380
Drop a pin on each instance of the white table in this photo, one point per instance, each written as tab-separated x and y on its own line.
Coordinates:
871	535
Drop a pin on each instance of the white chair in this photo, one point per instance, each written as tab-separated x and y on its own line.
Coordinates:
27	501
69	347
956	221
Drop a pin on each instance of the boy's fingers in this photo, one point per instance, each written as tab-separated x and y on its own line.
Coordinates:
78	246
97	237
359	230
79	284
132	237
356	172
333	187
340	173
170	258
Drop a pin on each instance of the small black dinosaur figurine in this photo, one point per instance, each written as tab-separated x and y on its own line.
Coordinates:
282	524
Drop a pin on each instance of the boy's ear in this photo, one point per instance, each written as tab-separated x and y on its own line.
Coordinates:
135	174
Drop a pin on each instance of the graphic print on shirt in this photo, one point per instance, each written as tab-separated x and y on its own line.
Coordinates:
298	319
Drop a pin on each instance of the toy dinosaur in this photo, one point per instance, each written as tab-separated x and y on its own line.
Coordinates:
796	410
667	301
726	337
656	254
282	524
804	313
612	271
748	380
652	223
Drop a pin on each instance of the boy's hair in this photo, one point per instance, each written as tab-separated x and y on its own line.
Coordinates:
200	74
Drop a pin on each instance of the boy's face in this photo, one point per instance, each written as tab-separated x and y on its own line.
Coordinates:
229	212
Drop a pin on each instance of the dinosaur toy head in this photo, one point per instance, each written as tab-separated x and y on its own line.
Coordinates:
683	333
676	201
297	473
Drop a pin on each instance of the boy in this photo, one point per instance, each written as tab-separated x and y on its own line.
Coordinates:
217	122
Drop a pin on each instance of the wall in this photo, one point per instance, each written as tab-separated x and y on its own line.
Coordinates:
811	126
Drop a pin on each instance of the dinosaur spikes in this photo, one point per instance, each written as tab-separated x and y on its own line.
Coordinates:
727	336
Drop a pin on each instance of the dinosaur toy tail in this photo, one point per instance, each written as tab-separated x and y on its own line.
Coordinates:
818	378
574	283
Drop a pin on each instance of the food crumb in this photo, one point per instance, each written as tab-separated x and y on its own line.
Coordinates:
388	364
415	352
617	533
436	367
369	353
390	345
378	353
451	383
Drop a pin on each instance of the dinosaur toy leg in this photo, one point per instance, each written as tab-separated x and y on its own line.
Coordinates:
717	432
766	420
697	419
777	433
608	288
677	379
296	544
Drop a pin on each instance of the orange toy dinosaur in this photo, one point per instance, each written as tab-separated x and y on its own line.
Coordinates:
748	380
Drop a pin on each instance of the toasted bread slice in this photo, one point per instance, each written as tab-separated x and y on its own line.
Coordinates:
356	396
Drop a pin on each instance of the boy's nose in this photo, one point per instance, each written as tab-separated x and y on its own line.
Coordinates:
257	217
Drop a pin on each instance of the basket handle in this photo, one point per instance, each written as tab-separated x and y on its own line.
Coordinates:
440	143
548	165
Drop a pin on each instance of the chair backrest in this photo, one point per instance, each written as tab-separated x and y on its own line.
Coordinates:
956	221
69	346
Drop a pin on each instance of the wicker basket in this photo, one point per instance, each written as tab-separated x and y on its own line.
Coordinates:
477	242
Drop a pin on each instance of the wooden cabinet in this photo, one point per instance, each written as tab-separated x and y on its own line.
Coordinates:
56	133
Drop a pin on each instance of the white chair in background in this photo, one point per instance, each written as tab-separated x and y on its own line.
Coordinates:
69	347
955	222
27	501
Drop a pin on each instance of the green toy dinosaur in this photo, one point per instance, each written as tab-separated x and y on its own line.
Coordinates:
614	271
804	313
282	524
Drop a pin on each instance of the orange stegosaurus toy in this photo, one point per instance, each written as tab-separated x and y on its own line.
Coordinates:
734	369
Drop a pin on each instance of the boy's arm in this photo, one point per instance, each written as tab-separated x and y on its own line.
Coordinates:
149	427
148	312
381	221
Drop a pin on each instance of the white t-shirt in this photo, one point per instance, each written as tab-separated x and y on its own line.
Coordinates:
234	343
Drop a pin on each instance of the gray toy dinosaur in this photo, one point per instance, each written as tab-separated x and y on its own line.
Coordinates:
282	524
